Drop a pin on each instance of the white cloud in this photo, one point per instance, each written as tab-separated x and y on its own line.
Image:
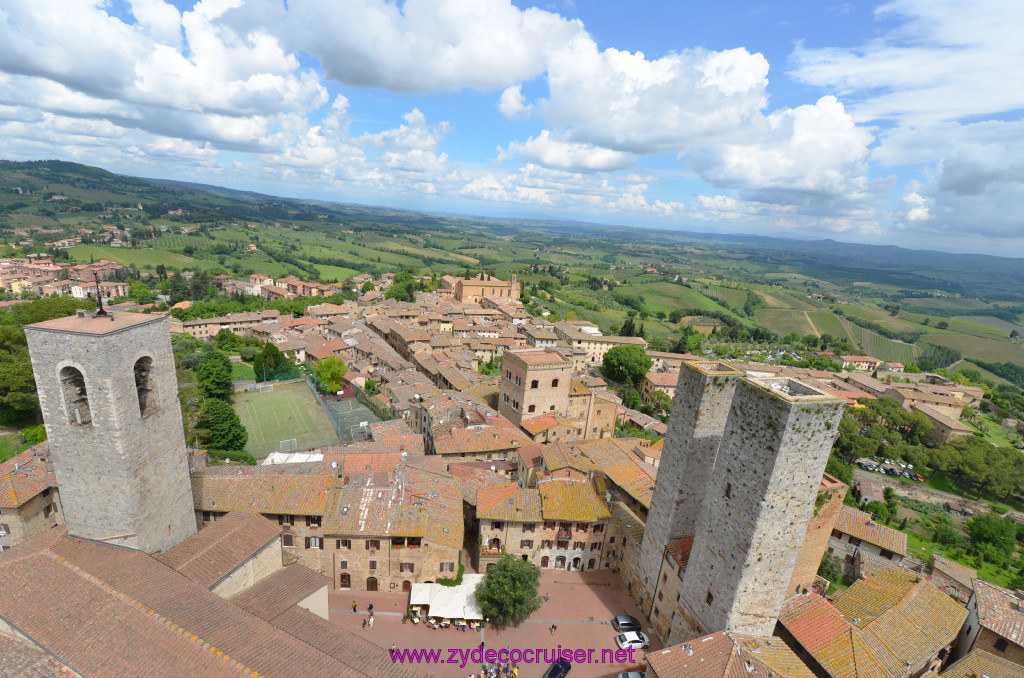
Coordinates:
547	150
513	104
418	45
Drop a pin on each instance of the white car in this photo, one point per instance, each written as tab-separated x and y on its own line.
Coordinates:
633	639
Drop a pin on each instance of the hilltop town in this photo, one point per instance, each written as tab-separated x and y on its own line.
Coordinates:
464	428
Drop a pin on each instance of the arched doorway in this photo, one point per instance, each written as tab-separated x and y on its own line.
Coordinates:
544	561
577	564
526	558
345	581
494	544
590	565
560	563
406	586
371	583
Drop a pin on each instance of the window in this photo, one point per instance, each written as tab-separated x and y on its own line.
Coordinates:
582	527
209	516
579	545
526	544
664	578
344	544
48	510
75	397
549	524
144	385
610	553
551	408
372	544
595	429
554	383
849	559
728	490
546	544
313	521
529	527
837	535
661	597
854	541
710	599
656	612
5	529
596	546
343	565
405	567
287	540
314	543
1001	644
497	525
611	540
886	554
506	399
534	384
531	408
831	550
373	564
285	520
598	529
519	381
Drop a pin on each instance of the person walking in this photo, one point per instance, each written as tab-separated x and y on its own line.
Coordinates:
547	597
371	621
370	608
364	624
354	606
554	628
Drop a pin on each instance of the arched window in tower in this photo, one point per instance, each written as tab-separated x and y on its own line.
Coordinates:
144	385
75	397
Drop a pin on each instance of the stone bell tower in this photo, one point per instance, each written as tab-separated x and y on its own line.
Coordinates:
109	395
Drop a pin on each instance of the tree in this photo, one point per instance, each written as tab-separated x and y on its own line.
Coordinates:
628	327
226	340
269	362
214	374
675	316
370	386
508	593
661	401
368	286
330	372
627	364
991	529
222	429
831	568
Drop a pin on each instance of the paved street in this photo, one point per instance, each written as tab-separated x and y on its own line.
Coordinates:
581	606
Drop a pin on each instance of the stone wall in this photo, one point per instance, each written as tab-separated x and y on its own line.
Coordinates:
589	546
351	556
263	563
29	519
816	539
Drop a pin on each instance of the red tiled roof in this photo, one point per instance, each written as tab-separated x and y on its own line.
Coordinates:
999	611
979	663
859	524
218	549
484	438
509	502
295	489
543	423
575	500
276	593
24	476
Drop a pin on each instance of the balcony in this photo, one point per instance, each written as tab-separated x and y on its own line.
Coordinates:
564	535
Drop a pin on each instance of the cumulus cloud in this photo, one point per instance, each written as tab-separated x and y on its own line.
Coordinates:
547	150
512	103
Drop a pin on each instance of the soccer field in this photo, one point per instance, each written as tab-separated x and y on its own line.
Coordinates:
289	411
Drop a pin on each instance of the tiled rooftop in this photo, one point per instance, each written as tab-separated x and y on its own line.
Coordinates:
24	476
221	547
571	500
859	524
1000	611
509	502
294	489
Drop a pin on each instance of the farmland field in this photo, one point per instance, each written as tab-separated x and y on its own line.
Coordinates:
782	321
994	323
827	322
977	347
128	256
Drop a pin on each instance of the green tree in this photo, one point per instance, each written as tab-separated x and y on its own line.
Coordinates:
221	429
1000	533
226	340
214	375
330	371
627	364
880	511
661	401
368	286
269	362
140	293
675	316
370	386
508	593
831	568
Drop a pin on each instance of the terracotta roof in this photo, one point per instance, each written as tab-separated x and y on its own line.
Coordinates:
474	479
880	626
123	613
540	357
622	468
663	379
559	455
1000	611
482	438
722	655
960	573
859	524
25	475
978	664
112	322
575	500
217	550
276	593
543	423
294	489
531	455
509	502
19	658
630	523
679	551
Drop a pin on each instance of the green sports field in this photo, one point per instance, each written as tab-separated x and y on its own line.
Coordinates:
289	411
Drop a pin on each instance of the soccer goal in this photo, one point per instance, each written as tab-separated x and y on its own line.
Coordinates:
266	388
289	445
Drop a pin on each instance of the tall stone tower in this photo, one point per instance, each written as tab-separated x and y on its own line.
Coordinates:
757	505
108	391
703	396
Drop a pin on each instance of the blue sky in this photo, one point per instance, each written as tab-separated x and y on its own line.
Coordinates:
896	122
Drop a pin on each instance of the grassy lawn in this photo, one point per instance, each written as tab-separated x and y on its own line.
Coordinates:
242	371
995	433
127	256
9	446
289	411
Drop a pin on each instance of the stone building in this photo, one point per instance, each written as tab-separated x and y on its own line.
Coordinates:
856	532
534	382
107	384
995	623
757	507
827	505
472	290
29	499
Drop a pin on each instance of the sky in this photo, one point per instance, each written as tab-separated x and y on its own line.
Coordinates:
888	123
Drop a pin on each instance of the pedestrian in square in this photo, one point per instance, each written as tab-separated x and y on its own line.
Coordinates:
371	621
354	606
364	624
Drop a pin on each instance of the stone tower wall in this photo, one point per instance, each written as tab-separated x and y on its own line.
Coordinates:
543	397
124	479
816	539
755	515
699	413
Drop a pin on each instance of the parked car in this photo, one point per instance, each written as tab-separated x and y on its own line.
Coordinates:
633	639
919	477
624	623
633	674
558	670
906	474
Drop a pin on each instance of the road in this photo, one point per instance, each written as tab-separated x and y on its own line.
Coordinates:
918	491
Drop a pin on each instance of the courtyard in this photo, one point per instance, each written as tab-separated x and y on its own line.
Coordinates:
581	606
